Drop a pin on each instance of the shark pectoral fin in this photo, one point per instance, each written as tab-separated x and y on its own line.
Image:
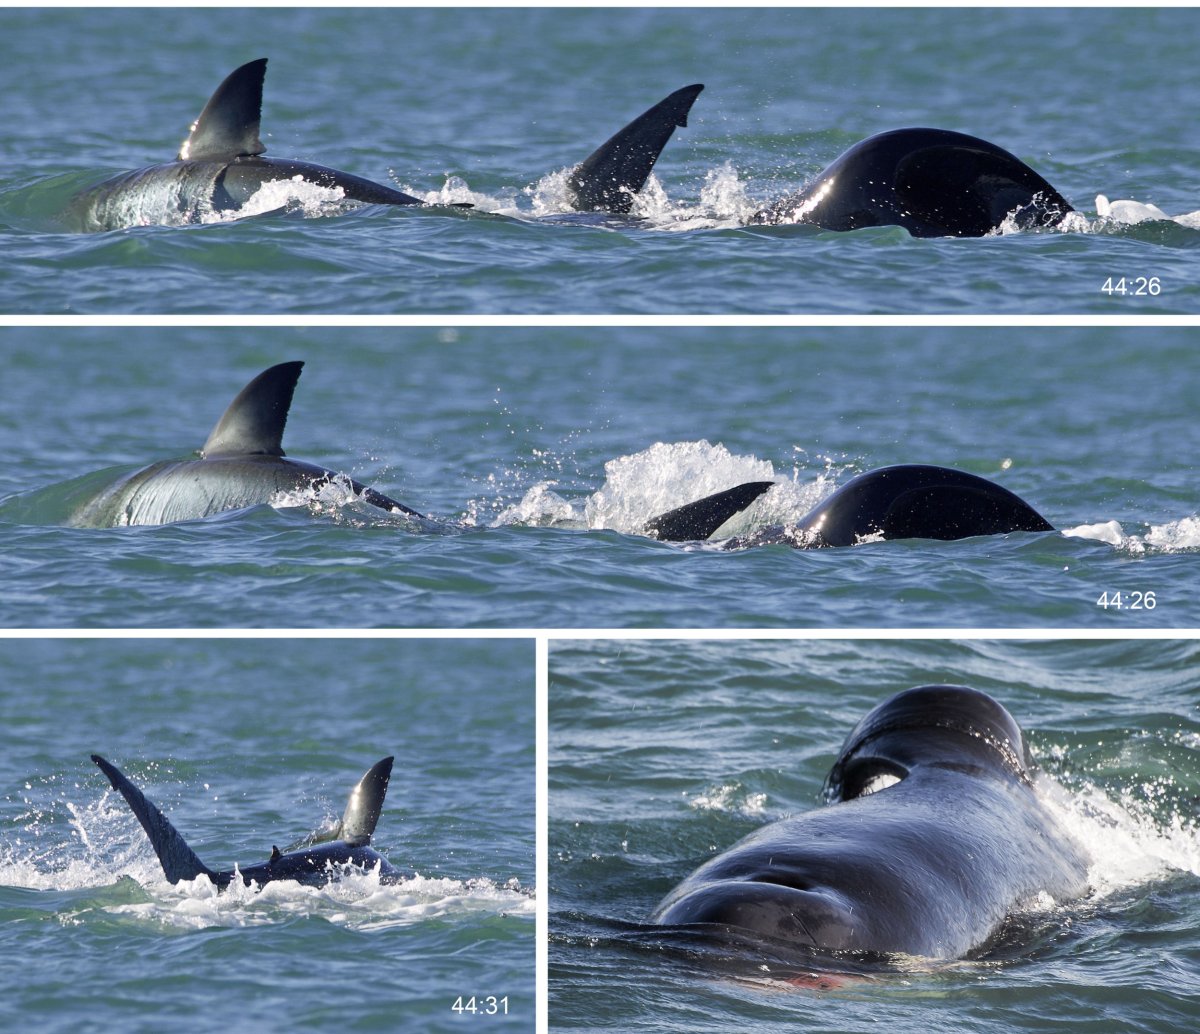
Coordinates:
365	804
228	125
608	178
178	860
254	421
700	519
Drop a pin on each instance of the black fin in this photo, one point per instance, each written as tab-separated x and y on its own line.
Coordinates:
254	421
276	854
608	178
698	520
178	860
228	125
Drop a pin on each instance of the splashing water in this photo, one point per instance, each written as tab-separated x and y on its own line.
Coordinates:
1178	536
291	195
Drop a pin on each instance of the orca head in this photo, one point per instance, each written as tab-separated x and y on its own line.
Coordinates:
953	726
229	124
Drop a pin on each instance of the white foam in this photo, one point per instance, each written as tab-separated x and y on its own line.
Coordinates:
663	477
292	195
1173	537
1130	845
730	798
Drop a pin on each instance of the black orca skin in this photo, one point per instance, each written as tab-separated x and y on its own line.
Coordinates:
905	501
932	182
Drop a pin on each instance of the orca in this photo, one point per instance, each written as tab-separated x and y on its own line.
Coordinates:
932	837
932	182
905	501
242	464
315	860
218	169
610	177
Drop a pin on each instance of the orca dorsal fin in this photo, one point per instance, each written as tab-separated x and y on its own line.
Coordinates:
365	804
695	521
608	178
254	421
228	125
179	861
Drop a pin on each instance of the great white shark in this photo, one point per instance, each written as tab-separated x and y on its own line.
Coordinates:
315	860
933	835
909	500
242	464
220	167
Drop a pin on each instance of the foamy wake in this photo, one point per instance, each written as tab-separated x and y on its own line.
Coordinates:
1131	212
1173	537
649	483
291	195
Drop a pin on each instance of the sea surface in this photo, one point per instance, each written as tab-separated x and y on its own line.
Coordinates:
663	753
539	455
490	106
246	744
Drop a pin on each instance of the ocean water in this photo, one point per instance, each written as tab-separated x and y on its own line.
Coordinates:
245	744
663	753
489	106
541	453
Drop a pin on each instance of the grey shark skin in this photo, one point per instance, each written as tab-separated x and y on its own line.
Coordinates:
932	182
314	861
910	500
934	835
608	179
218	169
242	464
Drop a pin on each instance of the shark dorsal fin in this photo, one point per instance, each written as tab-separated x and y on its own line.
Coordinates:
365	804
607	179
228	125
253	424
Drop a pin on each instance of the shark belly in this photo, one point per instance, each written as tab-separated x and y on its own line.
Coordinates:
166	492
171	194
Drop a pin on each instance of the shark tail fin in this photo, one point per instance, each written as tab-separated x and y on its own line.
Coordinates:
357	824
608	178
365	804
254	422
179	861
698	520
228	125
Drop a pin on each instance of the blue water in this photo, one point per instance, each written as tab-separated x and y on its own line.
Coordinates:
663	753
542	453
487	106
246	744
